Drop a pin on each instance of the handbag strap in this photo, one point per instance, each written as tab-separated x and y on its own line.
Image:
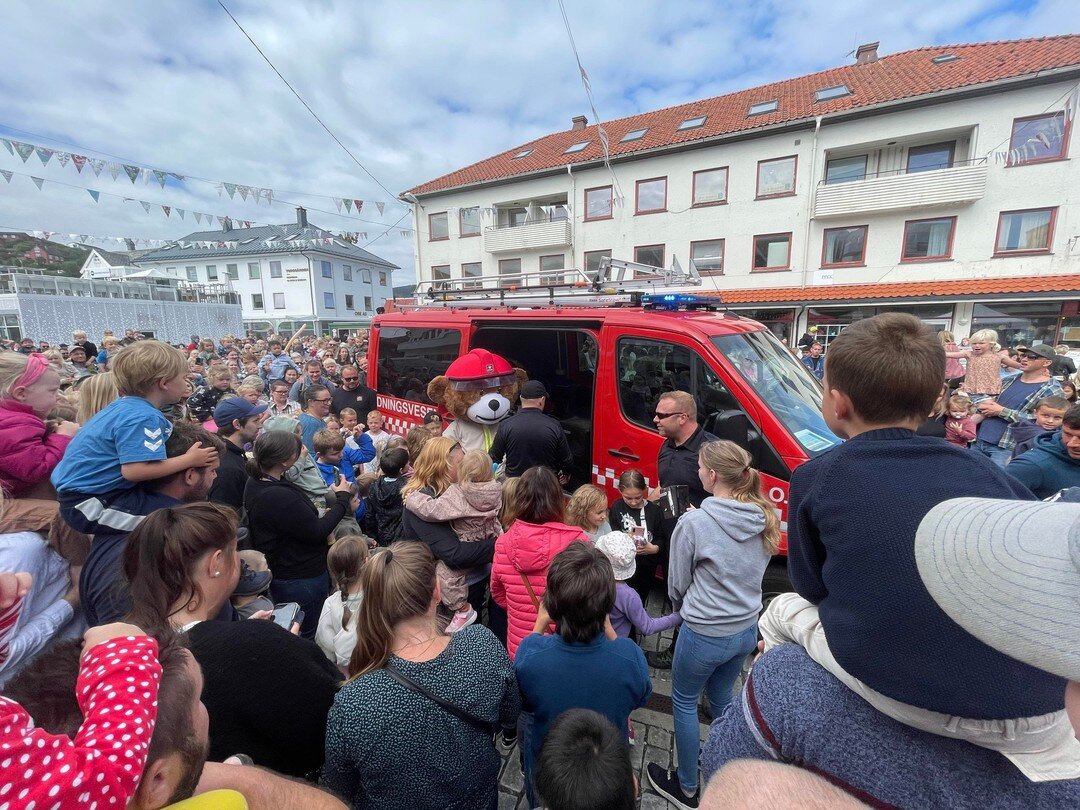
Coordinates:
485	726
529	588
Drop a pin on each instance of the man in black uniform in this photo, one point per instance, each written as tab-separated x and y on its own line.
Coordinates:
353	394
530	438
677	464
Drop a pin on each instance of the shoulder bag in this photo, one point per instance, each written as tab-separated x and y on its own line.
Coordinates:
487	727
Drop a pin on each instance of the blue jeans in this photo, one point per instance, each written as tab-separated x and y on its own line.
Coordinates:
703	664
996	454
309	594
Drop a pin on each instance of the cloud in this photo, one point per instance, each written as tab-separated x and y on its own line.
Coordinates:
413	89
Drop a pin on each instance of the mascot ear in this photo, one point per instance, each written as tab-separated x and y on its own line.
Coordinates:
521	374
437	388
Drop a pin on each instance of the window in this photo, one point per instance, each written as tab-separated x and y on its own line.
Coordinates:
365	275
776	178
254	270
275	269
256	301
592	261
548	266
516	217
577	147
440	274
367	303
710	186
651	196
382	279
471	270
930	157
279	300
346	272
827	93
1025	322
211	272
652	255
509	272
410	358
438	227
328	300
844	247
844	170
772	251
928	239
348	301
693	123
763	107
1025	231
598	203
232	271
633	135
1038	138
469	221
523	153
192	273
708	257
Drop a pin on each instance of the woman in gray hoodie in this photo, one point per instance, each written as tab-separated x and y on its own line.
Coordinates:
719	553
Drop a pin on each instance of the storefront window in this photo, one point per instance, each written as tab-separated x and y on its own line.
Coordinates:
778	321
1027	323
831	321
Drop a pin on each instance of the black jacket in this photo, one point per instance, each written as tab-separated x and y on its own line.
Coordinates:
386	503
231	478
620	513
286	527
362	400
444	543
530	438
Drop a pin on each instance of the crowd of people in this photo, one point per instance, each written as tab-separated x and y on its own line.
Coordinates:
223	583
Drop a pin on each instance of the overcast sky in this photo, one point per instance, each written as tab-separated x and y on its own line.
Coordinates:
414	89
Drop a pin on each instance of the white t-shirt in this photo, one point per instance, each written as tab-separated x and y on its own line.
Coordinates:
337	643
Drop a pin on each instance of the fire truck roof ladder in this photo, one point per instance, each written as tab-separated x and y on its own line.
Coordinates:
615	282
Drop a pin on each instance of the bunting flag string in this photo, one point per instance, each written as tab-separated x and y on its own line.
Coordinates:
7	175
379	206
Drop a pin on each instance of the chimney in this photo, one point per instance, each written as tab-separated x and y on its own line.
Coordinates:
579	122
301	217
866	54
226	224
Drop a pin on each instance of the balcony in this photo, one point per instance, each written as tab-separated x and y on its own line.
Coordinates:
901	191
530	236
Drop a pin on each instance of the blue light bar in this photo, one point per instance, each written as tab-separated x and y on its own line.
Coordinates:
676	301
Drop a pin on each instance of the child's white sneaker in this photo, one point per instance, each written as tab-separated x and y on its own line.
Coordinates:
463	618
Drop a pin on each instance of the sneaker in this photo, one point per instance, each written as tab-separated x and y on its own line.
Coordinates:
630	736
463	618
666	783
661	659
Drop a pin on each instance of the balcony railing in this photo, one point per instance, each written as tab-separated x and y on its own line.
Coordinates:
530	236
892	191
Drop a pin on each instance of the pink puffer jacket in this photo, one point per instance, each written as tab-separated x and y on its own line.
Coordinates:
27	455
526	548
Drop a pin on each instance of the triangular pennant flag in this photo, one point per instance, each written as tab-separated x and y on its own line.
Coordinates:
359	204
167	209
37	182
62	158
114	170
337	202
44	154
269	194
7	174
132	172
97	165
243	192
10	146
94	194
83	237
362	236
180	211
160	177
25	150
198	217
146	206
379	207
231	189
348	205
179	177
79	161
221	221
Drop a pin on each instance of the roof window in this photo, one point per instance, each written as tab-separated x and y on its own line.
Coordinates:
827	93
764	107
693	123
577	147
942	58
523	153
633	135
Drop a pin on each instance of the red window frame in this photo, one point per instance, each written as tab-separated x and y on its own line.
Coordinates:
920	259
638	210
693	190
723	256
753	253
430	230
611	203
1062	155
461	222
519	281
1027	252
660	245
435	267
860	262
794	180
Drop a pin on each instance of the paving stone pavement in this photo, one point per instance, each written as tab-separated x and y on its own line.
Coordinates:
653	731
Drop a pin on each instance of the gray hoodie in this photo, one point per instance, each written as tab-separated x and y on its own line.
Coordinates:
717	562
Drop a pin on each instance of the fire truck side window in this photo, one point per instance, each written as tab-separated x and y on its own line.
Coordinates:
410	358
648	368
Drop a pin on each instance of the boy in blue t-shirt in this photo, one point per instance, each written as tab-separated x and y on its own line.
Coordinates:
98	481
333	456
583	665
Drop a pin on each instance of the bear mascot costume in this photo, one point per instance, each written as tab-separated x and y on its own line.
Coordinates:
479	389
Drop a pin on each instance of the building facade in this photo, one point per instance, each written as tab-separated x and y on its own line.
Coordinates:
935	181
285	276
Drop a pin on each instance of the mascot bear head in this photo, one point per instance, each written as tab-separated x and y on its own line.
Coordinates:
478	387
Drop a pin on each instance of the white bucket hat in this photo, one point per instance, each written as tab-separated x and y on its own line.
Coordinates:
621	552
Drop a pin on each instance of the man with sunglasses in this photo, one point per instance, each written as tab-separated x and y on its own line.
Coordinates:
1015	403
353	394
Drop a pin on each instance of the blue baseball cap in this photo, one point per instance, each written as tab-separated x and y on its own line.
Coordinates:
233	408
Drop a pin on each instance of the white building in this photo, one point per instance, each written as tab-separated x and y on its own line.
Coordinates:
935	181
285	275
102	263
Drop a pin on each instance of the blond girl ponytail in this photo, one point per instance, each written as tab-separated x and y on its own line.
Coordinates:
732	466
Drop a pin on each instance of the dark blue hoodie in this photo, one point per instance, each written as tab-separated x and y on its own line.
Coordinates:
1047	467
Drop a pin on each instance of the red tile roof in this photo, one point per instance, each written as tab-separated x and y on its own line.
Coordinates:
900	76
907	289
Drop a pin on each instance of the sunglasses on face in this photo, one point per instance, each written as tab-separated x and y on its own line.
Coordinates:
661	416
